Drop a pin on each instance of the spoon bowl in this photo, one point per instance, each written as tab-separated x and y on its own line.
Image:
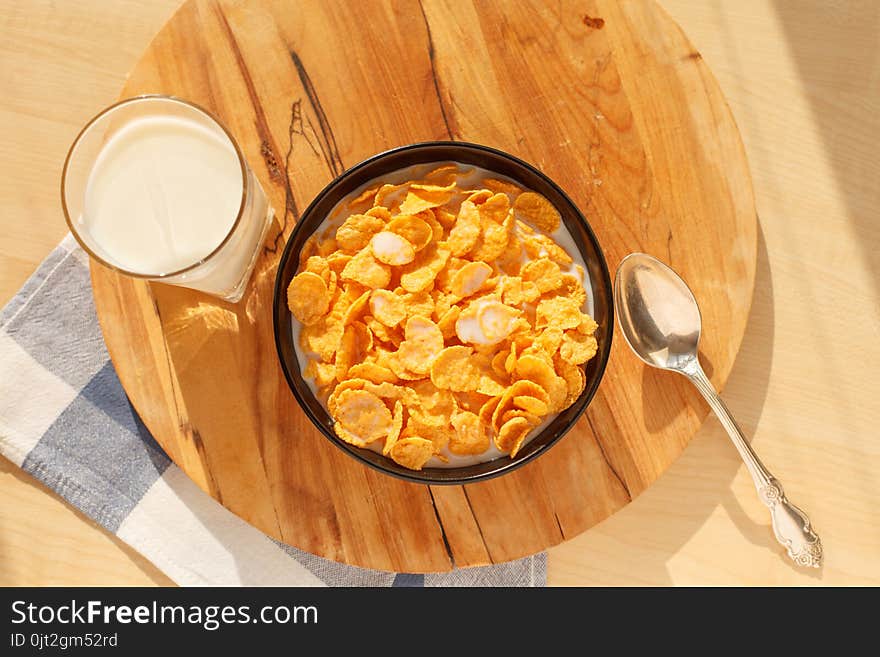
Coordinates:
657	311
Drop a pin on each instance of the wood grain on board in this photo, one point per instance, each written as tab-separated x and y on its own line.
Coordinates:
626	117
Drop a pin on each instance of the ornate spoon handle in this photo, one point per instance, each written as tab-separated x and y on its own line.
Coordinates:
790	524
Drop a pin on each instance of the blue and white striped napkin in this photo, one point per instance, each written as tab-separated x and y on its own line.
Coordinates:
65	419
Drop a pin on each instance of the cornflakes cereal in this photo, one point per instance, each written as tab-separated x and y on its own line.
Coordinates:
420	274
356	232
387	307
307	297
537	211
412	452
413	229
470	435
363	268
392	249
453	369
423	342
363	414
440	318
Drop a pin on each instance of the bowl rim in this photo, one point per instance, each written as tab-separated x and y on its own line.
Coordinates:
417	476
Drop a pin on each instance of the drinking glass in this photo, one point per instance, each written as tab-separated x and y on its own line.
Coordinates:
139	191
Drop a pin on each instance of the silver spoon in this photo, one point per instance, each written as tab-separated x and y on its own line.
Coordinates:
661	323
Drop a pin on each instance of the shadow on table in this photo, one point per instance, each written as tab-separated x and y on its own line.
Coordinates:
837	54
747	384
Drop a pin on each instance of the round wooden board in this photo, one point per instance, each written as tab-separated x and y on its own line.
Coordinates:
624	115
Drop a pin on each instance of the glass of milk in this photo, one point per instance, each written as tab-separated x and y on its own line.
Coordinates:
156	188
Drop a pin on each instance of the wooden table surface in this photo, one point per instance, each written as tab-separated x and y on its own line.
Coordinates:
803	80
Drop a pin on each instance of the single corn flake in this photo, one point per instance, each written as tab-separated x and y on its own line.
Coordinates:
413	229
387	307
423	342
544	273
496	320
512	435
453	369
308	298
392	249
464	234
537	211
530	404
372	372
355	233
470	435
421	272
470	278
363	414
412	452
396	426
363	268
577	348
559	312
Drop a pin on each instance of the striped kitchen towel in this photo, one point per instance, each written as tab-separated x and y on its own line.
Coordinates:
65	419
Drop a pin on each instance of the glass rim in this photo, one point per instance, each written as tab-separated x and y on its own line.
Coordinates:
130	101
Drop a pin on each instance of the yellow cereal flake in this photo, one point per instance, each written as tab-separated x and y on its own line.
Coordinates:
392	249
479	196
412	452
396	426
322	337
425	197
447	322
577	348
355	343
559	312
363	414
372	372
387	307
443	175
420	274
466	230
355	233
549	340
544	273
496	320
530	404
512	435
379	211
537	211
503	186
575	381
365	196
417	303
470	435
414	229
588	326
495	208
386	194
453	369
357	308
492	241
444	217
308	298
470	278
573	289
423	342
363	268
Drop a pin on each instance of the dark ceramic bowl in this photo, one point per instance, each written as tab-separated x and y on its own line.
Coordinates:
493	160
